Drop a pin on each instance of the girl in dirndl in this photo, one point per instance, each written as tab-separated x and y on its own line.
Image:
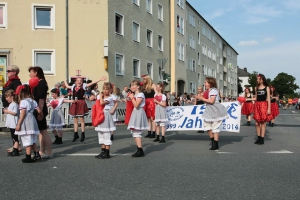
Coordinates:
79	109
138	118
113	108
247	108
214	113
274	105
57	120
27	126
149	90
107	126
160	101
262	108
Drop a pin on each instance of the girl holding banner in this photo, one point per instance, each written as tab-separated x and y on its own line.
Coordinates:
214	113
247	108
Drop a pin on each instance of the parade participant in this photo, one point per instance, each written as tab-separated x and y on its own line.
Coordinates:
214	113
149	90
11	120
198	101
160	101
79	109
40	96
107	126
113	109
129	107
138	119
284	102
57	120
27	126
274	105
247	107
262	108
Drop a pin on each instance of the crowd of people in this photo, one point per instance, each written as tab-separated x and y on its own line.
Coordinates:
25	107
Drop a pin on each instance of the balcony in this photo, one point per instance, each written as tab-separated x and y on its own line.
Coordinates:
224	54
225	83
225	69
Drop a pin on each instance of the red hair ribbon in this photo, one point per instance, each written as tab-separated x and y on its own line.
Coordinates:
246	89
112	85
273	87
141	83
144	75
258	76
57	91
19	89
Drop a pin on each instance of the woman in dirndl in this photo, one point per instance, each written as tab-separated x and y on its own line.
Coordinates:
274	105
247	108
262	108
79	108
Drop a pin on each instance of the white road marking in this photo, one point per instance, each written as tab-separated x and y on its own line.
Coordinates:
220	152
90	154
281	151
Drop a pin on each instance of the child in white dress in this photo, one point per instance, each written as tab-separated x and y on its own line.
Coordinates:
27	126
107	126
138	119
57	120
160	101
113	110
11	120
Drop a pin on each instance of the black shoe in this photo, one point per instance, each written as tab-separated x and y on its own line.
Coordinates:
272	125
156	139
248	123
112	138
56	140
75	137
262	141
101	154
28	159
37	156
201	131
59	140
258	140
105	155
214	145
148	135
15	152
82	137
153	135
162	140
138	153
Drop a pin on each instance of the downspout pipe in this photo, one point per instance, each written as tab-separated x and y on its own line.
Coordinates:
67	40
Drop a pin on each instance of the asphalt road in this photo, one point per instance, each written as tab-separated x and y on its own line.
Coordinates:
182	168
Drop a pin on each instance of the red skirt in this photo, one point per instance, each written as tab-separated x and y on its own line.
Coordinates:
78	109
128	111
274	109
247	108
150	108
260	112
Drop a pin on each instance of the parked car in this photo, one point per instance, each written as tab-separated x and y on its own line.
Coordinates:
295	101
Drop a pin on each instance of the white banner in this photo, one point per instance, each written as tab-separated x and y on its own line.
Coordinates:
190	117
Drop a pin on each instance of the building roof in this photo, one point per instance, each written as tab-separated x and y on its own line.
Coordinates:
243	72
211	26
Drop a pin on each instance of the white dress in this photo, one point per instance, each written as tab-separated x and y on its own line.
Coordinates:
115	114
108	124
11	120
138	119
29	125
57	116
160	111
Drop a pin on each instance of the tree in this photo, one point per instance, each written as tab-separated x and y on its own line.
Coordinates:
285	84
240	88
252	80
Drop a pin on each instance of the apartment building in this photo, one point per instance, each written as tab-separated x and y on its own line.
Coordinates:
91	38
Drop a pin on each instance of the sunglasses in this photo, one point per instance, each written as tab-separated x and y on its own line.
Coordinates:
9	71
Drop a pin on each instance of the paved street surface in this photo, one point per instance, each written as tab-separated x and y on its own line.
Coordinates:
182	168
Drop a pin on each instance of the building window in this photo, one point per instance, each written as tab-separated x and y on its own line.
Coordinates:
44	17
136	2
192	65
149	38
160	13
203	30
182	52
136	32
182	26
198	58
180	3
198	37
192	42
192	20
44	59
160	43
160	73
150	69
136	68
119	64
119	20
192	87
149	6
3	15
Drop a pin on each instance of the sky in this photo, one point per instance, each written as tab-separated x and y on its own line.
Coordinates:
265	33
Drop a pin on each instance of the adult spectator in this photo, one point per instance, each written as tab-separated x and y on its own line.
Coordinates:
125	92
12	83
63	89
172	98
40	96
